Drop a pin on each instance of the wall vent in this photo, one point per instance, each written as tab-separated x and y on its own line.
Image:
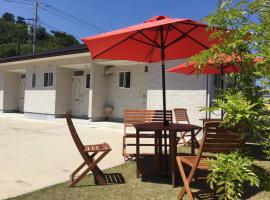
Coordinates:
109	70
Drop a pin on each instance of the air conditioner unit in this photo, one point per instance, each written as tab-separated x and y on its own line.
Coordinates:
109	70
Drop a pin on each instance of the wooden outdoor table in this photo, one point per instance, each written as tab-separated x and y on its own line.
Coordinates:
172	129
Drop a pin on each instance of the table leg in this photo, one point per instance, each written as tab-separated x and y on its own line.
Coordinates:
159	152
173	151
192	142
166	150
137	154
156	155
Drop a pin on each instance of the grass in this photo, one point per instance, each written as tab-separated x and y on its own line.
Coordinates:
133	188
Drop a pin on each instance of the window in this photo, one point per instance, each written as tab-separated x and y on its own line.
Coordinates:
33	80
145	68
48	79
124	79
88	76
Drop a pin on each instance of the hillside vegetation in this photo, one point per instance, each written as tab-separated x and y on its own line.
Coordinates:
16	37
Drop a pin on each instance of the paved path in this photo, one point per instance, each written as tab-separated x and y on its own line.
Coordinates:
35	154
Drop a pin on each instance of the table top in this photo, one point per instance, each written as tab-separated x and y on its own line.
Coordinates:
156	126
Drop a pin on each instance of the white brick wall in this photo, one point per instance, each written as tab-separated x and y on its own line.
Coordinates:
182	91
127	98
145	92
40	99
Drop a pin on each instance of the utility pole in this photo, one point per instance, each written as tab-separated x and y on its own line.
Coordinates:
35	21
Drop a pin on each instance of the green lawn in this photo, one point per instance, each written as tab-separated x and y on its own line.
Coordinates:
133	188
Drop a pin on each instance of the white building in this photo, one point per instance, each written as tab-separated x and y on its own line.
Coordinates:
46	85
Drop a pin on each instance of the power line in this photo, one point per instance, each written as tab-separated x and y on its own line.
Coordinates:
19	2
66	18
62	14
91	26
50	26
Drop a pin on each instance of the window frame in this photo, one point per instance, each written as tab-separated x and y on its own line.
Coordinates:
86	81
124	80
48	82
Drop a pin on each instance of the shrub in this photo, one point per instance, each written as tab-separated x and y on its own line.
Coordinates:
228	174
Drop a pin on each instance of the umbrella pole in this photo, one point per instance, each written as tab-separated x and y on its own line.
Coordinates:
207	98
222	88
162	54
165	122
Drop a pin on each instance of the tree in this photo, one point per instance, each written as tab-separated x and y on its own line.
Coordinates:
243	32
15	39
20	20
63	39
8	17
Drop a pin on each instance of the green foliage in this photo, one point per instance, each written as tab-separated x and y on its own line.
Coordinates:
229	173
8	17
243	32
240	113
15	39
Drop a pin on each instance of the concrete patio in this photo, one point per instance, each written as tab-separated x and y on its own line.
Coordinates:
35	154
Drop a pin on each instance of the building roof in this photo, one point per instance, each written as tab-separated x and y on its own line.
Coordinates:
80	48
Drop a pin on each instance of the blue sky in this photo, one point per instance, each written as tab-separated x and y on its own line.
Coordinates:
107	14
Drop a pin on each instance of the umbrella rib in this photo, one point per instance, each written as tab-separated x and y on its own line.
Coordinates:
204	46
115	45
167	33
154	42
184	35
152	49
144	42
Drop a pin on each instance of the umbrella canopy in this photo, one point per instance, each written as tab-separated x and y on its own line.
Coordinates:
180	38
157	39
227	66
189	68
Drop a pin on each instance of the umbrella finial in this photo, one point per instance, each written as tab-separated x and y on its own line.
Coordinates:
156	18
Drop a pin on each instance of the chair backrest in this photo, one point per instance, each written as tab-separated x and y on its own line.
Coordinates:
181	115
217	139
144	116
75	136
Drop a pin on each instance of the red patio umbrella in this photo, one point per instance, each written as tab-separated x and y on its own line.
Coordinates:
189	68
157	39
226	67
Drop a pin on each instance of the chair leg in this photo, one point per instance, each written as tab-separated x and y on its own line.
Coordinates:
98	174
186	181
124	147
92	166
72	176
183	138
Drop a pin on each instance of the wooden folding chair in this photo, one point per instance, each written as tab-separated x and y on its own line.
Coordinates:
139	117
215	140
181	116
91	154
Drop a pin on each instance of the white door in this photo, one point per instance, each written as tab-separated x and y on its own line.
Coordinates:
78	96
21	93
